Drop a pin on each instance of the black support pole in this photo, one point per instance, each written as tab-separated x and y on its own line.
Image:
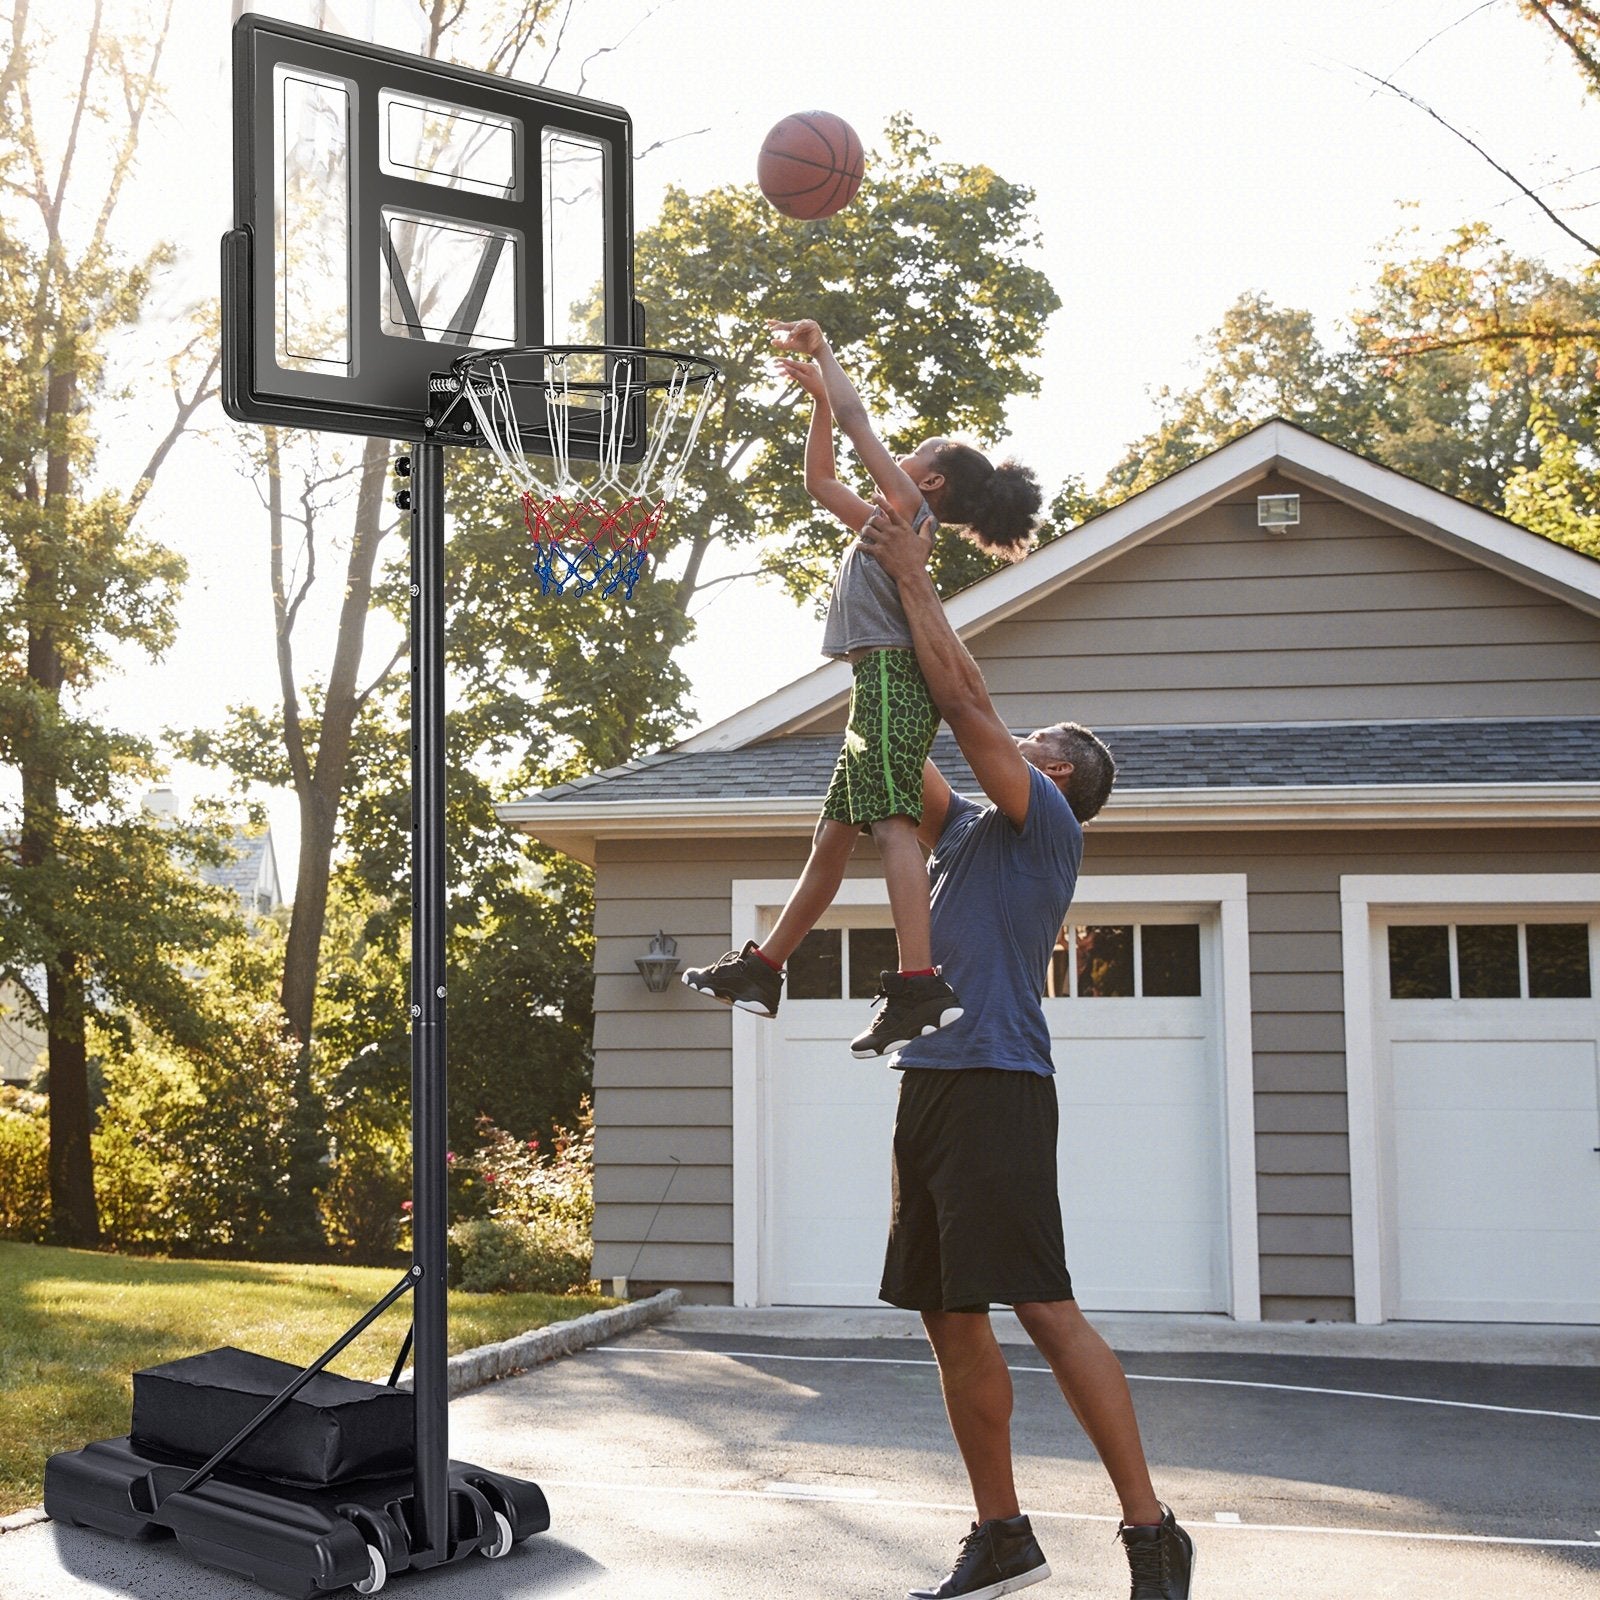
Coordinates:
428	1214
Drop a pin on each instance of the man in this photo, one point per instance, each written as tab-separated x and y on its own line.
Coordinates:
977	1216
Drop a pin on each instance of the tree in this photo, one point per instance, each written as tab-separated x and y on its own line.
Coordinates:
96	896
927	296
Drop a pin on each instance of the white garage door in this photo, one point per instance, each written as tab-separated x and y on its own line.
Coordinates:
1132	1010
1492	1040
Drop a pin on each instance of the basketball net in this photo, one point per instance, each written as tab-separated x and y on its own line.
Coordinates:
592	524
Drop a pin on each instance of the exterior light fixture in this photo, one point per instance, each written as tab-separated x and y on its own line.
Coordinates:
1275	512
658	965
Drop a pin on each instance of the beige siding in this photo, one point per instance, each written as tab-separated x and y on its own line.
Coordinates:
1343	617
663	1068
663	1062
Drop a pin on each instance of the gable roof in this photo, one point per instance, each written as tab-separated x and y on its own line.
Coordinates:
1481	536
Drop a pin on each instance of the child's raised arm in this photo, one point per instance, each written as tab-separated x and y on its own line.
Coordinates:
851	414
822	473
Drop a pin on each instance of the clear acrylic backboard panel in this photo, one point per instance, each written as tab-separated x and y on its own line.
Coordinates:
393	212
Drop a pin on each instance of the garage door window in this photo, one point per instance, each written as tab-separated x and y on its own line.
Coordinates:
1489	961
818	969
1125	961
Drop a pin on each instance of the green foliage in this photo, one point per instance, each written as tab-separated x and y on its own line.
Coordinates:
1560	496
1471	369
195	1134
490	1257
24	1166
541	1209
364	1194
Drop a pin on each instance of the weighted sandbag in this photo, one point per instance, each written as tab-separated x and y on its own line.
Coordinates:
334	1430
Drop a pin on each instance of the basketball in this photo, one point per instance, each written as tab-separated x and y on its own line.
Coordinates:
810	165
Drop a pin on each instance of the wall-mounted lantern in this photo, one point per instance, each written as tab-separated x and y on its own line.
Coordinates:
658	966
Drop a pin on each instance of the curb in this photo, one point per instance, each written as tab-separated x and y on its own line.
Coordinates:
489	1362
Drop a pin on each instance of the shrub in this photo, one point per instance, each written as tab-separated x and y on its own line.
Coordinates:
489	1256
362	1196
24	1166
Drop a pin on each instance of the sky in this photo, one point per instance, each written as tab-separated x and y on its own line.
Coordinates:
1182	151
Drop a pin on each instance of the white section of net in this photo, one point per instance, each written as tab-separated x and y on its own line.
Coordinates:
681	398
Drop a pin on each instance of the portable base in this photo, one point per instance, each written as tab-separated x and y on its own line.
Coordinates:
299	1542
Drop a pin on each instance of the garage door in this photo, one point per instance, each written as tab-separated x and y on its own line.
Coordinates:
1132	1010
1491	1039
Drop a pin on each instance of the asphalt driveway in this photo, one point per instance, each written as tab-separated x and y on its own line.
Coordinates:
685	1463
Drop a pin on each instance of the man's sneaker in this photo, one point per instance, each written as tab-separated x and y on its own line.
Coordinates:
911	1007
996	1558
1160	1558
740	979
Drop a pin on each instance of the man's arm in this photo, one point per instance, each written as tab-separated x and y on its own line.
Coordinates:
952	675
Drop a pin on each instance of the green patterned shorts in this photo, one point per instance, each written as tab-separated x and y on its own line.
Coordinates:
890	732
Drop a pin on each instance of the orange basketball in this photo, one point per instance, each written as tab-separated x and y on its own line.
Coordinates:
810	165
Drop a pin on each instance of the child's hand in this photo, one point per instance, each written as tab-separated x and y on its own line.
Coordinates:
804	336
806	374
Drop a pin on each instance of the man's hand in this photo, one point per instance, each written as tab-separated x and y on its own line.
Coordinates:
900	550
807	375
804	336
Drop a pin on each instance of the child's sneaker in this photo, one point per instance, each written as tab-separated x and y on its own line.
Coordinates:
911	1007
740	979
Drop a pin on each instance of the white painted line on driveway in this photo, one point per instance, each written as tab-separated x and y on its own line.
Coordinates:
1133	1377
803	1492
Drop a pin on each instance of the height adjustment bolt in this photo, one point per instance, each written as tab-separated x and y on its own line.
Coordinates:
402	499
402	466
416	1011
440	991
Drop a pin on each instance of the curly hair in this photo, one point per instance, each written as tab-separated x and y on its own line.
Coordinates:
997	505
1093	769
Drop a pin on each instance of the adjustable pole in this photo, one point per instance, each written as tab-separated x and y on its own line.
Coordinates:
428	1200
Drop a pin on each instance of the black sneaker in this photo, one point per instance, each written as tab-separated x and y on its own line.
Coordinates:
996	1558
911	1007
740	979
1160	1558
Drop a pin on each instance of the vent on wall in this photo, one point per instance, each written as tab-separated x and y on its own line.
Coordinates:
1275	512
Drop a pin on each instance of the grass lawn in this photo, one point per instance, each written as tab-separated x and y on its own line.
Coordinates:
75	1324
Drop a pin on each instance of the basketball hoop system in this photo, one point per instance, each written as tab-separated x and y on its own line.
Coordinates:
596	438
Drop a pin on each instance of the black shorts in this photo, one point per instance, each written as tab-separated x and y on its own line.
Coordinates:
977	1214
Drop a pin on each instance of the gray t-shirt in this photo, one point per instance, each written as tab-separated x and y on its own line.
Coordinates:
865	612
999	896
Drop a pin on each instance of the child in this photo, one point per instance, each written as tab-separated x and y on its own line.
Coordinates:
877	782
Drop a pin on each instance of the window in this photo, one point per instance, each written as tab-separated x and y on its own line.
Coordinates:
816	971
1489	961
1125	961
1091	961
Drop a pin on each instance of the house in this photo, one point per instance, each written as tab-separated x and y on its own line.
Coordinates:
251	872
1326	1004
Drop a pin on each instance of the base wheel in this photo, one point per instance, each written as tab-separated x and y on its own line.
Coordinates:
377	1573
502	1541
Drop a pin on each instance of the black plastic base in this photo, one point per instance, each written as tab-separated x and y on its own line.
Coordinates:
299	1542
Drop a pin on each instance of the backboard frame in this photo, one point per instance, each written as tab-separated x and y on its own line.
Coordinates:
384	392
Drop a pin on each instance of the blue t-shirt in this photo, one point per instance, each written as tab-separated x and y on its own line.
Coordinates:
999	896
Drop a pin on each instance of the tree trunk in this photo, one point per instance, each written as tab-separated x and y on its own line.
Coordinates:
320	791
74	1218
